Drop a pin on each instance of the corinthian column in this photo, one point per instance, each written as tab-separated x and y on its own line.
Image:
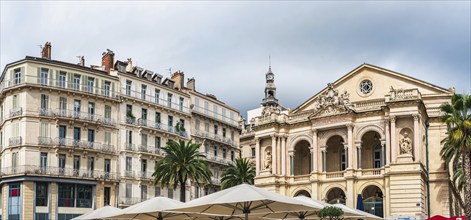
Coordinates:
273	154
417	147
283	155
314	150
257	156
388	143
350	146
393	139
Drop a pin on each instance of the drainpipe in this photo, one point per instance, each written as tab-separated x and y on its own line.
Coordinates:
427	124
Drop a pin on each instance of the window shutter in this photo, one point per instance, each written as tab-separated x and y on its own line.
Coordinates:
23	75
84	83
57	78
70	79
11	77
38	75
113	94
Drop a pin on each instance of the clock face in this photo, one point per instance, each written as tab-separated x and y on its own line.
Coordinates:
270	77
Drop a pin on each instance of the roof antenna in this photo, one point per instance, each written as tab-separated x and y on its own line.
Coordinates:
269	61
40	48
169	71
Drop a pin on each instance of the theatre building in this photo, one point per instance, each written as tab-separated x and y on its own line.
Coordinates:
367	137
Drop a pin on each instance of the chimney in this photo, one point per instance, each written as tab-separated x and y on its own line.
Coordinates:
191	84
129	66
82	61
46	51
179	78
107	60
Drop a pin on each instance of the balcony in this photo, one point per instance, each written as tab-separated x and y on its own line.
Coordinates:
127	201
129	174
155	100
156	126
57	172
371	172
217	116
215	137
129	147
334	175
15	141
145	175
68	142
16	112
76	115
216	159
59	84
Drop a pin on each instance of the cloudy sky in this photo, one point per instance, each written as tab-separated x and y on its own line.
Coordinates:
225	45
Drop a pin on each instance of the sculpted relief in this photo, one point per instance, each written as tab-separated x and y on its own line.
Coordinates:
331	101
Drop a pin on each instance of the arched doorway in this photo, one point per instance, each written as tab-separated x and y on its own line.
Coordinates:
302	192
302	158
371	152
336	195
373	200
336	157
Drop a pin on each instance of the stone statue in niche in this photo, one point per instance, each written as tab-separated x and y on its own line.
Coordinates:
268	160
405	144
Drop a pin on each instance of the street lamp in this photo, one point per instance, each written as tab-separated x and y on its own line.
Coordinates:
373	210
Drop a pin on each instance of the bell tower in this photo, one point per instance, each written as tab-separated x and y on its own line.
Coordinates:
270	90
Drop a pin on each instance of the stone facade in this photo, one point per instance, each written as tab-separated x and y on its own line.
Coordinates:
75	138
365	134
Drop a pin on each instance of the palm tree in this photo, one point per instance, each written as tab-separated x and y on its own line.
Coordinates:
457	143
242	171
182	162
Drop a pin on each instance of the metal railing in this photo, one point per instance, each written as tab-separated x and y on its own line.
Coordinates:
69	142
145	175
154	125
129	146
15	141
215	137
58	171
16	112
217	116
129	173
61	84
211	157
64	113
155	100
130	200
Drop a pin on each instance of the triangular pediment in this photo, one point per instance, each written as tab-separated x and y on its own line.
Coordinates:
382	81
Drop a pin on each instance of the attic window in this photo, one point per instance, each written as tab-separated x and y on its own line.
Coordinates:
366	86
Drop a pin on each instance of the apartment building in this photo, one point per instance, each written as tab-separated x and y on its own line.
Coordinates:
75	138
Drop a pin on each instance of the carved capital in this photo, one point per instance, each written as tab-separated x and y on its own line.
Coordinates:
350	125
416	117
314	130
392	119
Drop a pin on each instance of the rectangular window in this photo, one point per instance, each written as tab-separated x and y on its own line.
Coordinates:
129	115
197	125
206	107
128	163
91	136
215	110
44	76
43	162
182	100
170	123
128	87
66	195
157	191
128	137
107	196
41	194
232	155
90	84
216	130
215	151
14	201
15	101
223	114
84	196
143	192
77	136
224	153
143	165
77	106
157	95
14	160
62	134
197	102
107	138
253	151
62	79
144	116
91	164
143	91
224	132
232	135
107	166
18	76
343	164
170	193
206	127
76	165
197	191
108	113
377	158
157	119
128	190
107	88
44	102
76	82
44	130
63	106
61	163
157	142
91	111
169	100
